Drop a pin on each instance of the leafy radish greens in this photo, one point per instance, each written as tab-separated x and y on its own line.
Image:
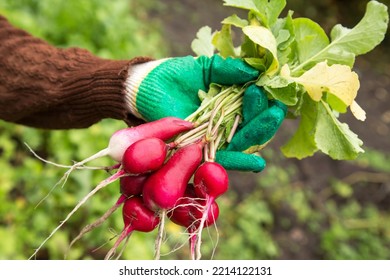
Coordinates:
302	67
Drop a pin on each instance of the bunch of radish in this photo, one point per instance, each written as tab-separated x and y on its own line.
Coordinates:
161	174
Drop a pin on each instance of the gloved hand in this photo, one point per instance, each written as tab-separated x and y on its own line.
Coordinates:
169	87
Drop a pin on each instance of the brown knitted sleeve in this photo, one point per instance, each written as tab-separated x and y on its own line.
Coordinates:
54	88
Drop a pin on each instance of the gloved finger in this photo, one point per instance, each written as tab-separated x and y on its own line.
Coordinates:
227	71
260	129
234	160
254	102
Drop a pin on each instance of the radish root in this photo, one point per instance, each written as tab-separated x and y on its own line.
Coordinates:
102	184
160	235
99	221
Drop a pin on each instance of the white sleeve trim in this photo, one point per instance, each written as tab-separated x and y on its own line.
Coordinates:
135	76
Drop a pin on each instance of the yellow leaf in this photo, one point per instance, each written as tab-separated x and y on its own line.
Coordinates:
336	79
358	112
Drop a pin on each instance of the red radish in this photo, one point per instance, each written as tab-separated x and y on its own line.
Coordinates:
210	180
144	156
132	184
188	211
166	185
163	129
136	216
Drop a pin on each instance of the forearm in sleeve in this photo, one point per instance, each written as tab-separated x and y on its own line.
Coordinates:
58	88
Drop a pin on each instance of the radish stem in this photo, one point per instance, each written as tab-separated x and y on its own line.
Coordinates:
234	128
125	234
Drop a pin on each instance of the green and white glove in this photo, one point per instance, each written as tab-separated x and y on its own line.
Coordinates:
169	87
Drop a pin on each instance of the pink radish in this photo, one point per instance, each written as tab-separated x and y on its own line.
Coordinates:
136	217
144	156
163	129
166	185
132	184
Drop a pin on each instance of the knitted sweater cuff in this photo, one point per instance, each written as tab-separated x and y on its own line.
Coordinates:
101	92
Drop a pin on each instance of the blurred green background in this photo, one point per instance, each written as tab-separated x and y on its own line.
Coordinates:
315	208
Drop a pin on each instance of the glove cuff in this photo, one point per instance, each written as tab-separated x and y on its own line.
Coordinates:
136	74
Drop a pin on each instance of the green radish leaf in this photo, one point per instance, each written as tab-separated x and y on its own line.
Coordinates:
273	9
242	4
336	103
202	95
228	128
256	8
287	46
316	81
257	63
202	45
214	89
366	35
280	88
249	49
286	94
348	43
267	10
339	56
223	42
235	21
264	38
310	39
282	37
335	138
302	144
